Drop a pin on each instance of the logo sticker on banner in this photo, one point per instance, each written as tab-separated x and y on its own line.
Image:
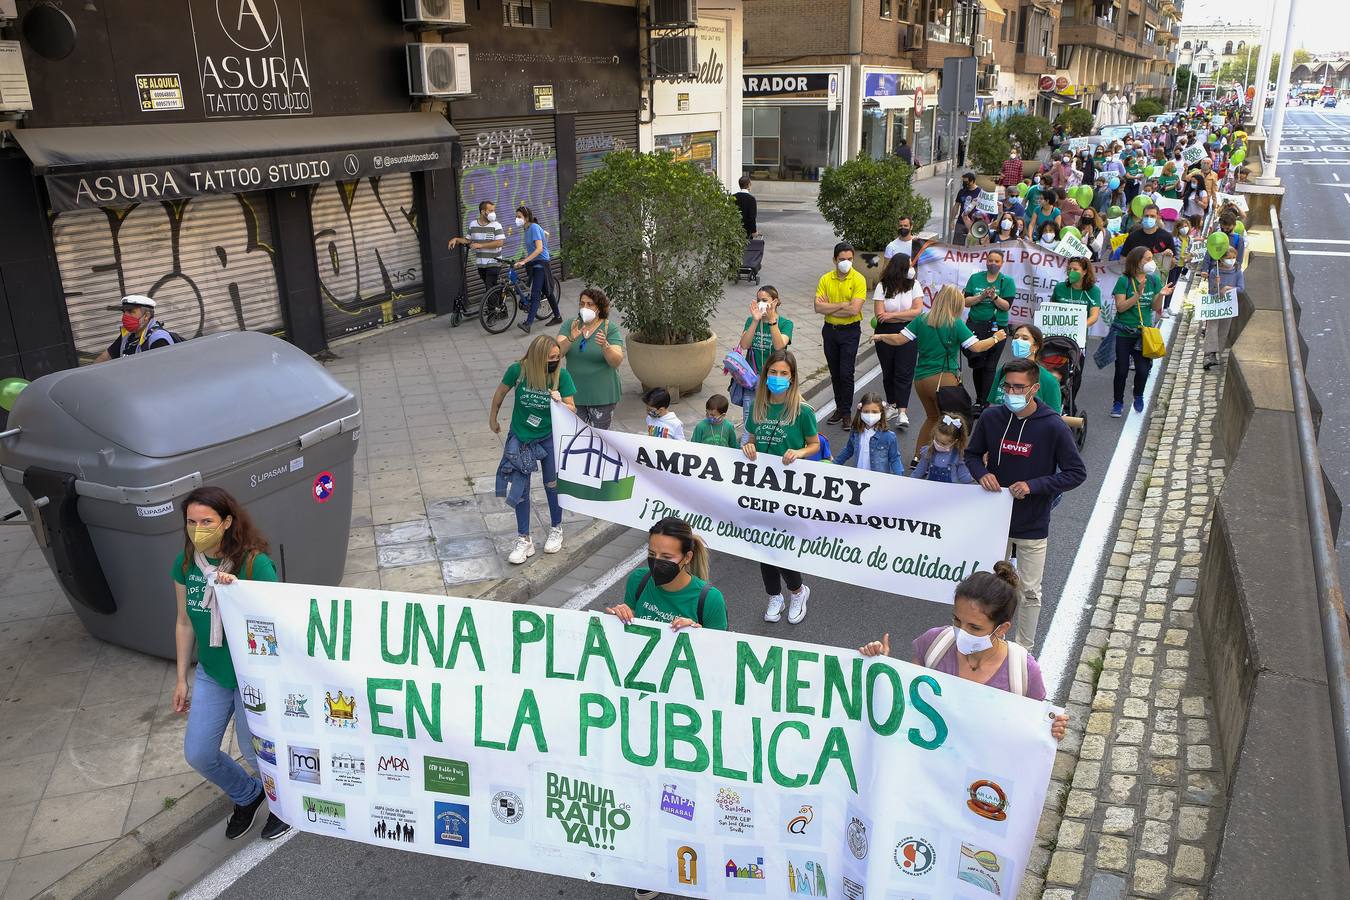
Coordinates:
712	763
808	516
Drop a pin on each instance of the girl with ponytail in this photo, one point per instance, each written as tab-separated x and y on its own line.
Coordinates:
673	587
976	647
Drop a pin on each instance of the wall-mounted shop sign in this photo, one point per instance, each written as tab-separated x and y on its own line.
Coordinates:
251	57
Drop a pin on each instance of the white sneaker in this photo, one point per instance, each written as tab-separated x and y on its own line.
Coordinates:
554	542
797	605
524	550
902	420
774	613
892	410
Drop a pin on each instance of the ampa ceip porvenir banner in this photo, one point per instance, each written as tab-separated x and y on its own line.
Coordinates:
701	763
871	529
1035	269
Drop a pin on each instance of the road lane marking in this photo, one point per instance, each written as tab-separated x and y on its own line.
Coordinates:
219	880
1313	241
1336	176
1319	253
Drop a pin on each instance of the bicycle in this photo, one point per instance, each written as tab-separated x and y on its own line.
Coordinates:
506	298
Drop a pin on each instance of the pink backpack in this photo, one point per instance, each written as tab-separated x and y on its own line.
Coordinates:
740	369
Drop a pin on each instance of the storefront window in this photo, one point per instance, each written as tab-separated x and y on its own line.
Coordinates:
762	128
943	142
874	132
790	143
923	141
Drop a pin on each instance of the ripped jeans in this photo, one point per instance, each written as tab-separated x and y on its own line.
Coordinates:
549	465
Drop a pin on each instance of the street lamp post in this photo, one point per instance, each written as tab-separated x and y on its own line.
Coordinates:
1263	71
1281	91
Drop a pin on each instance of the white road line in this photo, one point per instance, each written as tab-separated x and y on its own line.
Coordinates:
585	598
1060	643
1319	253
1313	241
231	870
1336	176
1346	196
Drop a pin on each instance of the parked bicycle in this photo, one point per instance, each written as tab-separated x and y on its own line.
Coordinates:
510	295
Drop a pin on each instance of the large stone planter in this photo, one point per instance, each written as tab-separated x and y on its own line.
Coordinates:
679	368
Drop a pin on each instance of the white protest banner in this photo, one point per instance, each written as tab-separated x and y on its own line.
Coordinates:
870	529
1237	200
1068	319
987	203
1032	268
1071	247
1166	203
1193	154
1076	144
1223	305
698	763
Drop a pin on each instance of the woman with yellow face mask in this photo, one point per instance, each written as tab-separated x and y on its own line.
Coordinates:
221	544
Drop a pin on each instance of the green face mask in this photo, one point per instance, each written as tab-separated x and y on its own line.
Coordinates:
1075	276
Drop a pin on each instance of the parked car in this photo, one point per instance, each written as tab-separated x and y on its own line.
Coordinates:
1329	103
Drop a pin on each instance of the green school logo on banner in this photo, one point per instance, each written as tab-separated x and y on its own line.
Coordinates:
446	776
589	469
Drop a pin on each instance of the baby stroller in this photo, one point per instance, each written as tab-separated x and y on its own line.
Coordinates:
1062	356
752	260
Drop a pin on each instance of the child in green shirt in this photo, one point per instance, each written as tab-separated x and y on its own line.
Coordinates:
715	429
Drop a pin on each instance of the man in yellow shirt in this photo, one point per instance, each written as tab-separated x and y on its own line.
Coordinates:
839	298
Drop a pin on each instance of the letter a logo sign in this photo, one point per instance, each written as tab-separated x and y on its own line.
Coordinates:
250	31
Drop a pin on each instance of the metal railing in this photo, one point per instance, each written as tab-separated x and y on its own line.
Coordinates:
1326	568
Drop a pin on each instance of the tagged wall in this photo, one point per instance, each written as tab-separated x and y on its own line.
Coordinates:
207	261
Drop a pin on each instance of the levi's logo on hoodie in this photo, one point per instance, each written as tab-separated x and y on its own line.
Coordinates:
1016	448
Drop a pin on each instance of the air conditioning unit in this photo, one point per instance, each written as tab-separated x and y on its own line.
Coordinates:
911	37
433	12
438	70
986	46
1053	59
674	13
987	84
674	57
14	94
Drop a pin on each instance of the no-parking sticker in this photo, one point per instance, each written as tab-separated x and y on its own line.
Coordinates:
324	487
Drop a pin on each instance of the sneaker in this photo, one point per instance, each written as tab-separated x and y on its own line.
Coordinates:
902	419
1211	360
835	418
241	820
774	612
892	411
274	828
846	424
524	550
1117	409
524	326
554	542
797	605
556	320
1139	404
644	894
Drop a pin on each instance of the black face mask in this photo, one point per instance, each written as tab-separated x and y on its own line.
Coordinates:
553	365
663	570
903	231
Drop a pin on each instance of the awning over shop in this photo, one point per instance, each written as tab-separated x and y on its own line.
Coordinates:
993	11
114	165
1061	98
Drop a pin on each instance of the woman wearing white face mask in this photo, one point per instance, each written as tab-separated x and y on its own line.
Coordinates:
898	300
1006	228
975	646
1049	235
593	348
1139	295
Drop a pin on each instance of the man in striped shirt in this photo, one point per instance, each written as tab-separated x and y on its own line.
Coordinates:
485	239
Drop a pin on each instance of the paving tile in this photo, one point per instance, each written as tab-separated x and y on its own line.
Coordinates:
120	678
471	569
23	780
34	873
395	555
32	733
452	548
38	693
14	822
107	720
150	795
425	578
96	766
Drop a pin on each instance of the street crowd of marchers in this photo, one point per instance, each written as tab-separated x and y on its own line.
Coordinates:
1153	198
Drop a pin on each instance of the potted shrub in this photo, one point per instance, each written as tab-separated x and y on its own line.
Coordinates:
661	238
988	148
863	199
1031	134
1076	120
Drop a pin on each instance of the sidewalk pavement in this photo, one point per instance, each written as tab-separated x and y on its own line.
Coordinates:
89	749
1136	804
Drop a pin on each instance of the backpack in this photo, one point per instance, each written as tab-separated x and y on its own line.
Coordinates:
1017	660
823	454
739	367
702	595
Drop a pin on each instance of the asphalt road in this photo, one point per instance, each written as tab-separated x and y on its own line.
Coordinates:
839	614
1315	170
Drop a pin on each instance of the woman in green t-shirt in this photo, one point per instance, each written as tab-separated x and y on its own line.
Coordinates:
673	587
781	424
593	346
538	379
1138	296
765	331
221	544
1080	286
941	336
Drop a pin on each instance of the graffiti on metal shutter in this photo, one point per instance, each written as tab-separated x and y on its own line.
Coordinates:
512	169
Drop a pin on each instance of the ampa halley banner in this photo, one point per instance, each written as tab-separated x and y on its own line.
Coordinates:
876	530
700	763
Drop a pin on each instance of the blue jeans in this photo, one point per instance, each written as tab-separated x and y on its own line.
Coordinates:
549	465
539	283
212	706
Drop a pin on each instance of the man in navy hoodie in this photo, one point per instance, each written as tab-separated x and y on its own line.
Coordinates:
1025	447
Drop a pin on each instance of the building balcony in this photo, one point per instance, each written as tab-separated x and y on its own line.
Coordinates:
1094	33
932	53
1032	64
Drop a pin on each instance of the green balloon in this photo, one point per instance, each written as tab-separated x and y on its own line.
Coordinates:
1137	205
1115	212
1217	245
1085	196
1239	228
1223	131
1238	156
1022	188
10	389
1070	231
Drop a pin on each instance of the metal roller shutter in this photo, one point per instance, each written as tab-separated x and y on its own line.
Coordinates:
598	134
512	162
207	261
367	250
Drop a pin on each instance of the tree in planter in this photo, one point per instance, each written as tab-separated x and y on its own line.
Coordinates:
1030	133
864	198
1145	107
1077	121
989	147
660	237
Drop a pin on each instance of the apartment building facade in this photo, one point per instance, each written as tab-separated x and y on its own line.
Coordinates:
1116	50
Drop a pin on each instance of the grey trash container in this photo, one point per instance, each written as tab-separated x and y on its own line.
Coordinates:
105	454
